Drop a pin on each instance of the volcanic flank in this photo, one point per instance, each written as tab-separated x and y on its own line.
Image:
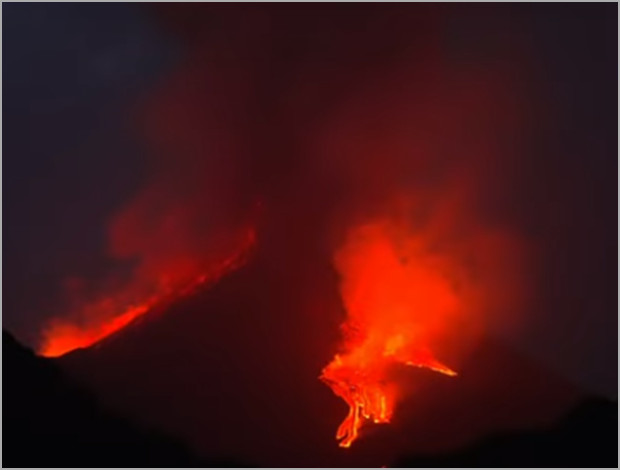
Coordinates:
248	390
83	435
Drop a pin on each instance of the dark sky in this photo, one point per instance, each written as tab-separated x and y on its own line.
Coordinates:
74	74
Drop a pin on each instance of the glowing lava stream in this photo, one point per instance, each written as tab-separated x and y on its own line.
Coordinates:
63	336
397	299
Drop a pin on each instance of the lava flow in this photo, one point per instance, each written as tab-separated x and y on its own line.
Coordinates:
398	299
63	336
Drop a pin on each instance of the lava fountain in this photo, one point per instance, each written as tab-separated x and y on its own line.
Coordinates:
398	298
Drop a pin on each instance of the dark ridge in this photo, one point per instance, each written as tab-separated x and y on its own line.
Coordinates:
48	421
585	437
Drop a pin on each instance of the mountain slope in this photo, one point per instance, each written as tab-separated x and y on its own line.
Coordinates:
233	371
50	422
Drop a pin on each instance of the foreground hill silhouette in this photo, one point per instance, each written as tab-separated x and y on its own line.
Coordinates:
586	437
48	421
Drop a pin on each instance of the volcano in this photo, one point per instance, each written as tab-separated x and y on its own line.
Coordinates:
231	372
345	235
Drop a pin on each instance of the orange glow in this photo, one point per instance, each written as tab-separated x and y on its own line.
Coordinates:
63	336
398	298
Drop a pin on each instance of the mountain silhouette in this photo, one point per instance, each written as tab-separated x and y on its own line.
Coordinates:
49	421
586	437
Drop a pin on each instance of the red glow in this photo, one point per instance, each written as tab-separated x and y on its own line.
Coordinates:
398	299
63	336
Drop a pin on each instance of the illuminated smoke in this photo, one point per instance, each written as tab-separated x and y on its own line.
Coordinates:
365	136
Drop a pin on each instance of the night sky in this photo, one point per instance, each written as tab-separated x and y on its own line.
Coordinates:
73	75
76	74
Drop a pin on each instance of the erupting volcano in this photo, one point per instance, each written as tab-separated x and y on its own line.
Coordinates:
253	228
398	299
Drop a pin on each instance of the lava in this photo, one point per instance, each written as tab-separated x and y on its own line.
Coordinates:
398	297
63	336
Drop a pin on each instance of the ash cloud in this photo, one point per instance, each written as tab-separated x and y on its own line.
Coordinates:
328	113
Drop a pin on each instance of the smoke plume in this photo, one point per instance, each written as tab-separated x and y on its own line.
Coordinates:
327	119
